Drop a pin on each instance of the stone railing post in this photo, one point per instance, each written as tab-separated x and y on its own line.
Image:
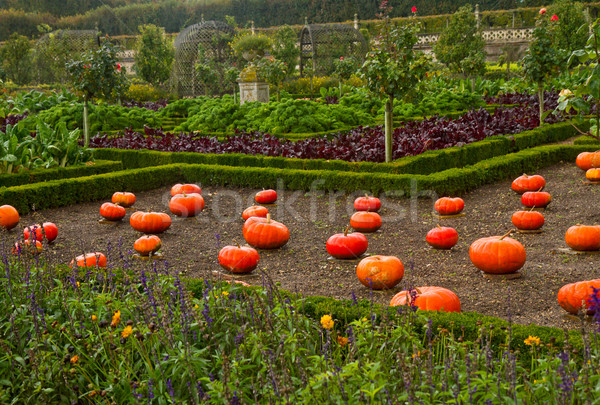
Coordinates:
477	16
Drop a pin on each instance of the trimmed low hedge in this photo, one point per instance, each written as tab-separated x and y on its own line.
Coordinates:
586	140
55	173
449	182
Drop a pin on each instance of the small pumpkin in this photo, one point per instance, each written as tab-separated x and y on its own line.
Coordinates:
150	222
112	212
449	206
266	196
264	233
497	254
9	217
47	229
367	203
147	245
380	272
583	237
124	199
573	297
536	199
26	247
238	259
255	211
365	221
186	205
185	188
442	237
347	246
95	259
428	299
526	183
593	174
584	160
528	220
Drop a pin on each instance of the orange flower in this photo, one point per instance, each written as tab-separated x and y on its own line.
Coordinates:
342	341
127	331
116	319
74	359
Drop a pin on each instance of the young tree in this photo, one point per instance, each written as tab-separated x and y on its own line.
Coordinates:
231	76
344	69
285	49
571	29
206	74
154	55
98	74
542	59
273	71
15	55
461	47
393	68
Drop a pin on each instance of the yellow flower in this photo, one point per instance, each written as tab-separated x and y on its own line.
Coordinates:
94	318
196	306
127	331
326	322
565	93
225	293
74	359
342	341
532	340
78	284
116	319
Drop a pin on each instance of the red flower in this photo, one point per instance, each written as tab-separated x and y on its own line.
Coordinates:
543	10
413	9
86	66
554	18
341	58
118	67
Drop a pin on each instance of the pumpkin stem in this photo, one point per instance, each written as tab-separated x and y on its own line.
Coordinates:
346	231
366	196
506	234
268	218
438	225
540	189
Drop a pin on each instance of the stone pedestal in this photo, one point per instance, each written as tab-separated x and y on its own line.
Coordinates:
254	91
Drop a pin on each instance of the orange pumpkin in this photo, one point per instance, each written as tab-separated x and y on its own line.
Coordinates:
442	237
95	259
238	259
347	246
365	221
124	199
449	206
47	229
380	272
147	245
255	211
264	233
497	254
429	299
9	217
150	222
266	196
185	188
528	183
186	205
593	174
27	247
573	297
367	203
584	160
536	199
112	212
583	237
528	220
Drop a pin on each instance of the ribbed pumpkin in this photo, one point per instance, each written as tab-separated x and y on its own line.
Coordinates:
449	206
147	245
186	205
26	247
367	203
528	220
497	254
9	217
365	221
238	259
47	229
526	183
442	237
584	160
89	260
150	222
429	299
572	297
124	199
266	196
112	212
536	199
255	211
264	233
347	246
583	237
593	174
185	188
380	272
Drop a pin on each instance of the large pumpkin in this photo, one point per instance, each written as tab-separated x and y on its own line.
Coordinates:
238	259
380	272
89	260
449	206
150	222
264	233
347	246
124	199
147	245
429	299
255	211
186	205
364	221
584	160
497	254
47	229
266	196
367	203
583	237
528	220
572	297
442	237
526	183
9	217
112	212
185	188
536	199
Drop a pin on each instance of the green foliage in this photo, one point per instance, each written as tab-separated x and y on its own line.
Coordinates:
284	47
247	43
16	58
571	31
155	54
145	92
542	58
33	101
274	71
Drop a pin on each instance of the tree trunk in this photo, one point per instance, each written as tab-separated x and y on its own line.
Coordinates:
389	127
541	100
86	124
234	95
341	89
311	87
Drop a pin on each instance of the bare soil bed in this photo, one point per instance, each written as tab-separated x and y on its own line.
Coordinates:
190	246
